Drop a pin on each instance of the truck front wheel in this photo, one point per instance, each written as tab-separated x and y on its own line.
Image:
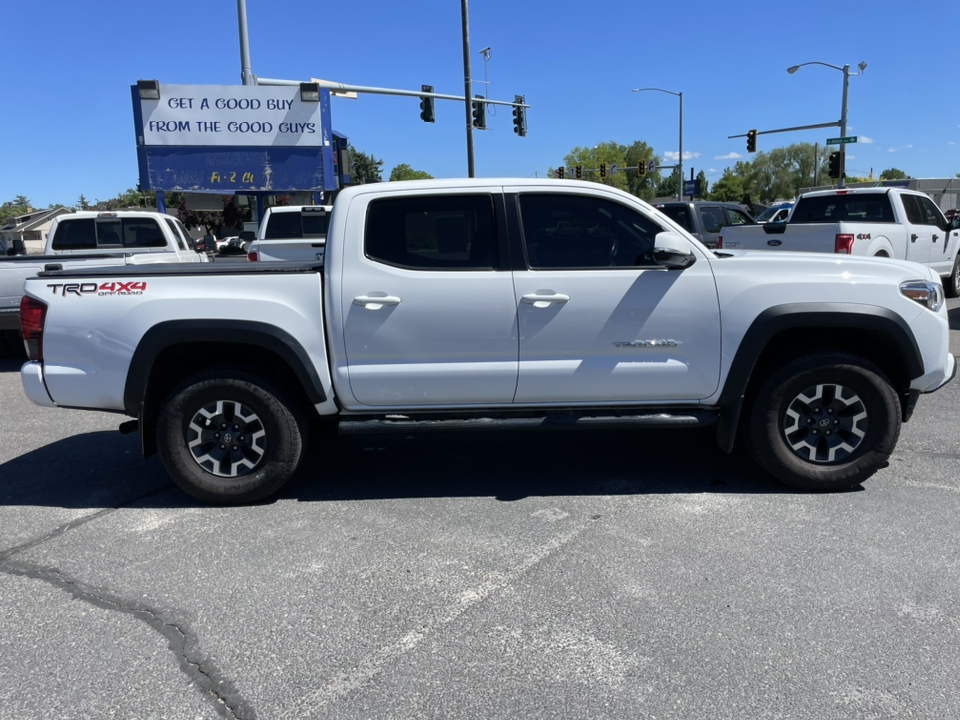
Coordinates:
951	285
827	421
227	436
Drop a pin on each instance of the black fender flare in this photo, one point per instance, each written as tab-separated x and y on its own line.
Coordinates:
775	319
184	332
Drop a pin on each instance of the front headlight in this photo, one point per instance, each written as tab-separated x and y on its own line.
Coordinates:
929	294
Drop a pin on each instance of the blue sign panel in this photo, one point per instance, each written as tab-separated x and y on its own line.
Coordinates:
239	169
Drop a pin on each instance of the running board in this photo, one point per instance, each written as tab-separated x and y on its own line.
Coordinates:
406	423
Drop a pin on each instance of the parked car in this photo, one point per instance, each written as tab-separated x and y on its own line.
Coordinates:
704	219
515	304
775	213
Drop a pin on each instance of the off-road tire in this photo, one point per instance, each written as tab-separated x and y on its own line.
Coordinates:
951	285
826	421
228	436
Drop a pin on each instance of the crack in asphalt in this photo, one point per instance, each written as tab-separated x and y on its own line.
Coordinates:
181	642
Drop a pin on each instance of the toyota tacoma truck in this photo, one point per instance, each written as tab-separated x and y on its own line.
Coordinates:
877	222
87	238
494	304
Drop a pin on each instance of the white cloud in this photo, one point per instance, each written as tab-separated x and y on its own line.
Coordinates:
851	157
865	139
729	156
670	155
950	142
892	150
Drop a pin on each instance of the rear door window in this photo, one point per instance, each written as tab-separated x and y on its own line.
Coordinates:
443	232
713	219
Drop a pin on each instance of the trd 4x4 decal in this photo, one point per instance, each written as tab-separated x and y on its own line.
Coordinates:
108	288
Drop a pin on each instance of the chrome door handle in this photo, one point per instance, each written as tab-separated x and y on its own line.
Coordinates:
542	301
374	302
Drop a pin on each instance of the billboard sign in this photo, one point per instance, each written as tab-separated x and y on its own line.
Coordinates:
234	138
232	115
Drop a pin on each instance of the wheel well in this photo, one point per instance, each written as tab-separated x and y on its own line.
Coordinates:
882	253
878	347
176	363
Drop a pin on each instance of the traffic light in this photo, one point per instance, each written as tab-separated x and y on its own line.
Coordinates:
426	105
578	171
519	117
835	167
603	170
560	172
479	113
752	141
642	168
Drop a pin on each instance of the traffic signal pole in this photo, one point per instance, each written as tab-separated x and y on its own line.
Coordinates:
843	127
467	86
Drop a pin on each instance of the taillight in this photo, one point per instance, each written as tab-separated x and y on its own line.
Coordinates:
844	245
252	257
33	313
719	242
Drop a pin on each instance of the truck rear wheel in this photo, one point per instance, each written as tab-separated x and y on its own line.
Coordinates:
827	421
227	436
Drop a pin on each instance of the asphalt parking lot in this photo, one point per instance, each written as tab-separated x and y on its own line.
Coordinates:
590	575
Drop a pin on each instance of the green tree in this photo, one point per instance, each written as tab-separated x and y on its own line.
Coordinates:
364	168
405	172
669	184
895	174
12	208
703	185
82	203
729	188
625	157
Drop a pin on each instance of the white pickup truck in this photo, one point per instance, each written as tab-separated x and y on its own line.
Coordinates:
878	222
294	232
483	304
85	239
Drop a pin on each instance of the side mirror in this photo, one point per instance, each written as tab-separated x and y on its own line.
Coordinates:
672	251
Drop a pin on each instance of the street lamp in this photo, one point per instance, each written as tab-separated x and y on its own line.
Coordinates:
843	109
680	158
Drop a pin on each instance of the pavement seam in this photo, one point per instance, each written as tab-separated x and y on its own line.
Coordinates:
371	666
200	672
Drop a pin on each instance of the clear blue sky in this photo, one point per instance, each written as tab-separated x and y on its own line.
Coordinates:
67	125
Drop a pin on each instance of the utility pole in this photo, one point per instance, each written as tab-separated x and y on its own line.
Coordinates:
467	86
246	72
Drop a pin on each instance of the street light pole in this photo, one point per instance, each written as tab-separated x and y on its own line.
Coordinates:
843	107
680	158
